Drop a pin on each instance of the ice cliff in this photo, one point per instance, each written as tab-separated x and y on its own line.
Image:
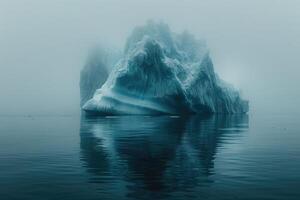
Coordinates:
160	72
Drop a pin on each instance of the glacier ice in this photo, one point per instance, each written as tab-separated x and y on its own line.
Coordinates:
161	72
95	71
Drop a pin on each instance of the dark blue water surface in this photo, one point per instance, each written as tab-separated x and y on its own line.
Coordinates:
140	157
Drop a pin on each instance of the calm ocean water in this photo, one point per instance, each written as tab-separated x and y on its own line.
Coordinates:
140	157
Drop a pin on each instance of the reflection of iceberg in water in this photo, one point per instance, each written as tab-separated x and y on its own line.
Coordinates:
144	155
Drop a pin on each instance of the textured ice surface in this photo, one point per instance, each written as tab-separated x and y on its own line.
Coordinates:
164	73
95	72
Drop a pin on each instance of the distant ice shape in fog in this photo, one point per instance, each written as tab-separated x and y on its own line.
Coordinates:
162	73
95	72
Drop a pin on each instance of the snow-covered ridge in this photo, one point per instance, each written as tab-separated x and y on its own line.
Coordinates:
164	73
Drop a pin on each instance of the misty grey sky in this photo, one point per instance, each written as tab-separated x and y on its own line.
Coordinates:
254	44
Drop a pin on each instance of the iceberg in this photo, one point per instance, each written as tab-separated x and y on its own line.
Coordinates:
161	72
95	71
